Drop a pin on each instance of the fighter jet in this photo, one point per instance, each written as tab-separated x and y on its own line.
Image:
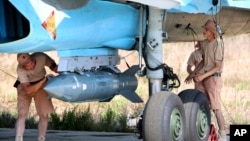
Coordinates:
87	35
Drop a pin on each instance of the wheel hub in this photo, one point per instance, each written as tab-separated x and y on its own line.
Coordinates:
176	124
202	123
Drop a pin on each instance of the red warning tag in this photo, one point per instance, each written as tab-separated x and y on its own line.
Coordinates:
50	25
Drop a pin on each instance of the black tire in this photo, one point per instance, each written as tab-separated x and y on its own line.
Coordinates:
197	114
164	118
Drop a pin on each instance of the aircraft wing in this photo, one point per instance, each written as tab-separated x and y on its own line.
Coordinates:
183	27
73	26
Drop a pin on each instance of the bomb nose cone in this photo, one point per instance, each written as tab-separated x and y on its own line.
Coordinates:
65	87
54	87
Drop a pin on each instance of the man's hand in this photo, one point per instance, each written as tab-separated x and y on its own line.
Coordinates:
38	86
29	89
42	83
189	79
199	78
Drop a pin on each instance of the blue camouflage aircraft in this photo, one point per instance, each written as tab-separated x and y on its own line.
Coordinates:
87	35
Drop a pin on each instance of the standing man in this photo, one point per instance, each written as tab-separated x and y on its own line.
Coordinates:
194	59
31	79
210	82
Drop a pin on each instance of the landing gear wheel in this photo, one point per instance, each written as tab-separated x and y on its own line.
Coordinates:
164	118
197	114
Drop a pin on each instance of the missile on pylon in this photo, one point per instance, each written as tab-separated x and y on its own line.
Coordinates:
93	86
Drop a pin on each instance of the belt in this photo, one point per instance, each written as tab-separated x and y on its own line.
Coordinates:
32	83
217	74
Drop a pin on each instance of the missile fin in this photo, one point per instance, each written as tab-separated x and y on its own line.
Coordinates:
131	96
131	71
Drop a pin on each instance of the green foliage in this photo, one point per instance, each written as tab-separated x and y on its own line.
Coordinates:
108	120
122	120
243	85
31	123
238	83
84	121
74	120
112	121
240	119
68	119
55	122
7	120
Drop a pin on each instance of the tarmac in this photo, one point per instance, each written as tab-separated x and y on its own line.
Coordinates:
7	134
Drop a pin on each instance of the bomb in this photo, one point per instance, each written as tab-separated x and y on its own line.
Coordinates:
93	86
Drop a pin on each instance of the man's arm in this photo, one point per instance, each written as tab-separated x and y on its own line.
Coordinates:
29	89
199	67
189	69
215	69
192	74
53	67
50	63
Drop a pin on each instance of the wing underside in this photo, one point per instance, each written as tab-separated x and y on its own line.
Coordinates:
187	27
